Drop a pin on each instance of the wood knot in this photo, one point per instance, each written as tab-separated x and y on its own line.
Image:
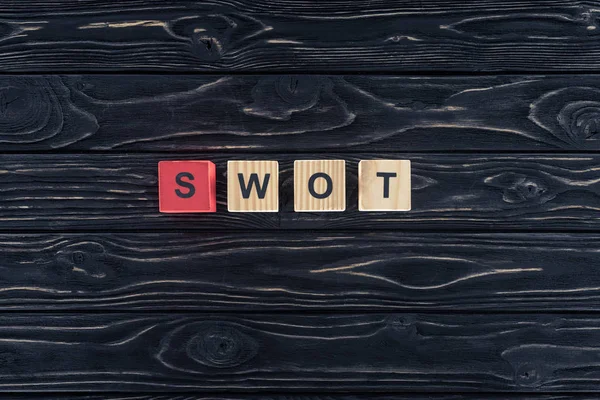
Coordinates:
528	375
400	322
210	344
278	98
519	188
27	106
222	346
210	34
206	47
78	257
570	114
83	260
580	120
531	363
298	90
37	109
403	328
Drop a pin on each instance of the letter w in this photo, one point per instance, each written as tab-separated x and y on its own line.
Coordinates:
247	189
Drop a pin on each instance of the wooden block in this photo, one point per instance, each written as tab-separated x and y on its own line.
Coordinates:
319	185
384	185
187	186
253	186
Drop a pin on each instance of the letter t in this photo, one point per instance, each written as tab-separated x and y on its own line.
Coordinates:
386	182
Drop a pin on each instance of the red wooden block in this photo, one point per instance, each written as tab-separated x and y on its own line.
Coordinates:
187	186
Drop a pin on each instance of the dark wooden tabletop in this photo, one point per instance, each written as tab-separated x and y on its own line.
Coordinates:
489	288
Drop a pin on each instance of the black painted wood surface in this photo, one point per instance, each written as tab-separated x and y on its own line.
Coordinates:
300	271
352	352
487	289
249	35
310	396
281	113
449	192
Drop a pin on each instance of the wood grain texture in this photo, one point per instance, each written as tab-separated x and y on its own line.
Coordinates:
368	353
299	113
295	271
253	186
294	396
451	192
384	185
319	185
248	35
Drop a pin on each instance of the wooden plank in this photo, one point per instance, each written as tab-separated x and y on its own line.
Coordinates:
304	112
248	35
367	353
451	192
312	396
291	271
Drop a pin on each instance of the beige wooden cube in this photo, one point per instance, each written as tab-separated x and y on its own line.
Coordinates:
319	185
253	186
384	185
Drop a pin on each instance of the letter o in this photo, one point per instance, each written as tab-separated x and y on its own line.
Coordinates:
311	185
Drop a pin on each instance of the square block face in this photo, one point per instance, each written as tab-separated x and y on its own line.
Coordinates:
384	185
253	186
187	187
319	185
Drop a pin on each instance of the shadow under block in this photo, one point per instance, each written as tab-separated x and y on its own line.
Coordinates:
319	185
253	186
384	185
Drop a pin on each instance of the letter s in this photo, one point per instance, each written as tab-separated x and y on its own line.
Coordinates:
191	189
